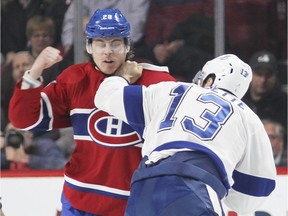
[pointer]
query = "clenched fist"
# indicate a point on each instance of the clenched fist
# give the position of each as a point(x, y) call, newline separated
point(48, 57)
point(130, 70)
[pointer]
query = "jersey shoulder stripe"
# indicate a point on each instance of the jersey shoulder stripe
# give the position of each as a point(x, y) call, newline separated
point(155, 68)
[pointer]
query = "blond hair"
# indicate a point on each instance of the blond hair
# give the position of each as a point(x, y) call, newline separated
point(38, 22)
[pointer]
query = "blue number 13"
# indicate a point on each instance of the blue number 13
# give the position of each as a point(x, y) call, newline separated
point(214, 119)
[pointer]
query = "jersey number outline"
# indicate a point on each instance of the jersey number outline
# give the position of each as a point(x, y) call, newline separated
point(214, 119)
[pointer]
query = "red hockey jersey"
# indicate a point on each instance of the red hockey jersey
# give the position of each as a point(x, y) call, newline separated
point(97, 177)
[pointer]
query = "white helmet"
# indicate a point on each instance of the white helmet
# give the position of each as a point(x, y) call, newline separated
point(231, 74)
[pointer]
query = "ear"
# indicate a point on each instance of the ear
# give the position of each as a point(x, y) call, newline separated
point(209, 82)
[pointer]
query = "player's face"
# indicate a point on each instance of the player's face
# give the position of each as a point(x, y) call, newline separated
point(108, 53)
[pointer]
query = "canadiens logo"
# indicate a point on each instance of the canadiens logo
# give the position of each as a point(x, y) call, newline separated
point(109, 131)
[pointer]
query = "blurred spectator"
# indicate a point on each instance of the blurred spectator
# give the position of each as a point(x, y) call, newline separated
point(40, 31)
point(55, 9)
point(255, 25)
point(4, 162)
point(265, 96)
point(14, 16)
point(179, 34)
point(21, 62)
point(164, 16)
point(135, 12)
point(276, 135)
point(21, 148)
point(66, 141)
point(16, 13)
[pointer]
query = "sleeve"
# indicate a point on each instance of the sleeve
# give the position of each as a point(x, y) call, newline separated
point(19, 104)
point(125, 102)
point(109, 96)
point(254, 176)
point(38, 109)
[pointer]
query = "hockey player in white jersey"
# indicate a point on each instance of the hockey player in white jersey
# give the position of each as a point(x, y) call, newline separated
point(203, 145)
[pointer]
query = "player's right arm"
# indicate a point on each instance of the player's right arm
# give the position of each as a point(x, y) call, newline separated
point(27, 108)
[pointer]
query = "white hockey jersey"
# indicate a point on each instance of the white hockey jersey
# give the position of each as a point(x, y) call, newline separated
point(207, 120)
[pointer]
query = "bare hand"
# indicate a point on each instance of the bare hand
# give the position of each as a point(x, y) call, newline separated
point(130, 70)
point(163, 51)
point(16, 155)
point(48, 57)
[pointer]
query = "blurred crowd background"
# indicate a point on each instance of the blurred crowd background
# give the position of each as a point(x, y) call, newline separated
point(180, 34)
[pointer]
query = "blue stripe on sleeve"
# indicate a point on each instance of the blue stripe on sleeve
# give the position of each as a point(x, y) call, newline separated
point(44, 124)
point(133, 105)
point(252, 185)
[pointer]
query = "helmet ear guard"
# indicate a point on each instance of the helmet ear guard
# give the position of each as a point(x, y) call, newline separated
point(89, 46)
point(198, 78)
point(231, 74)
point(127, 42)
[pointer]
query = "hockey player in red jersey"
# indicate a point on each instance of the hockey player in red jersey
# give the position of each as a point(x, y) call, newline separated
point(97, 177)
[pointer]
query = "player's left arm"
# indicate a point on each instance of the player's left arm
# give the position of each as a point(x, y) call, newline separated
point(116, 97)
